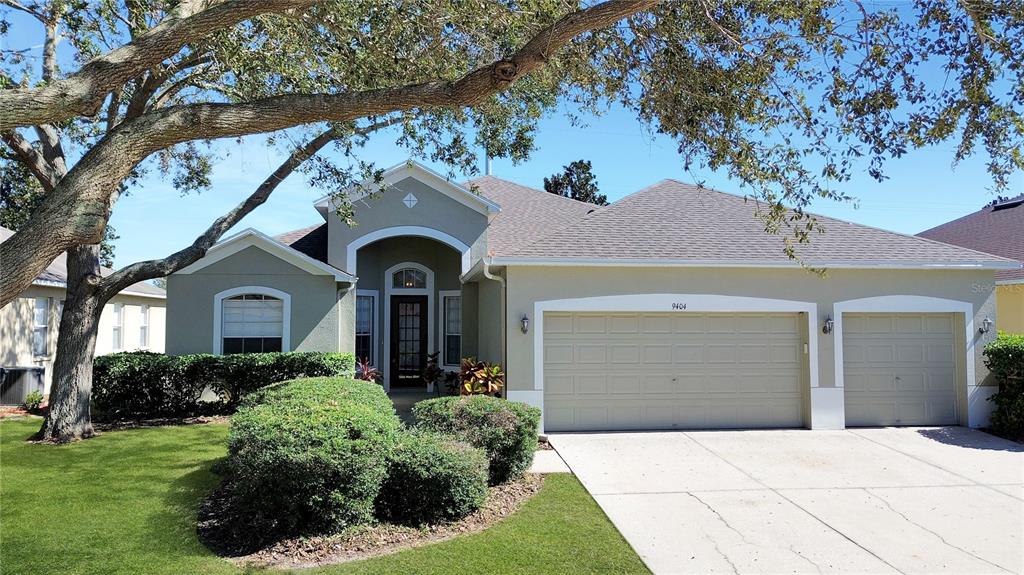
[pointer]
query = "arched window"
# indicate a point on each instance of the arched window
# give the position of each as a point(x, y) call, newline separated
point(409, 278)
point(252, 323)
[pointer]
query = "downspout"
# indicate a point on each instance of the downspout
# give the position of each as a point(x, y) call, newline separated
point(504, 336)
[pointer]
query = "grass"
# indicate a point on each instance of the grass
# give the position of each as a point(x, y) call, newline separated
point(125, 502)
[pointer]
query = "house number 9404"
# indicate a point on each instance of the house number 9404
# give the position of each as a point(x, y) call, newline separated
point(678, 305)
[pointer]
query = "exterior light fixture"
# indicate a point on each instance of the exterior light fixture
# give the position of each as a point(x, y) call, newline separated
point(828, 326)
point(986, 325)
point(524, 324)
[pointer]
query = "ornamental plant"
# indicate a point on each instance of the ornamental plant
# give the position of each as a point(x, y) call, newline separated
point(480, 378)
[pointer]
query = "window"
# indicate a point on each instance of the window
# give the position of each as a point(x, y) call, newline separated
point(409, 278)
point(41, 327)
point(452, 329)
point(118, 341)
point(365, 327)
point(252, 323)
point(144, 326)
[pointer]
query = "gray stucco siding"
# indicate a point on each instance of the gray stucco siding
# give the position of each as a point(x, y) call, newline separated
point(316, 312)
point(433, 210)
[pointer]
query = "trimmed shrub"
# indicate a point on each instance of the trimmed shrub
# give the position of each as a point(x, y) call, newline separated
point(1005, 360)
point(506, 430)
point(432, 478)
point(323, 389)
point(300, 464)
point(148, 385)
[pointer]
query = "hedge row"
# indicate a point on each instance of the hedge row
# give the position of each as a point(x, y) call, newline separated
point(1005, 360)
point(150, 385)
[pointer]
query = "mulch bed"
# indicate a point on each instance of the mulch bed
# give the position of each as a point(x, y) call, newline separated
point(371, 540)
point(158, 422)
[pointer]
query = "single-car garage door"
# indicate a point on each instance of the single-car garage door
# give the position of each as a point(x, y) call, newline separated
point(620, 371)
point(899, 368)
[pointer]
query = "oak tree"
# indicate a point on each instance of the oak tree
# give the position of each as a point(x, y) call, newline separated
point(789, 98)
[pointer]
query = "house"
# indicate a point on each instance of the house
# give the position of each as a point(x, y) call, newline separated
point(670, 308)
point(998, 229)
point(133, 319)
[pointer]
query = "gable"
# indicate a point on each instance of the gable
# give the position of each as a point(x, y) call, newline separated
point(406, 204)
point(251, 261)
point(269, 249)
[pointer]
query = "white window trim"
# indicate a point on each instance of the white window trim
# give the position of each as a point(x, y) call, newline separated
point(46, 327)
point(912, 304)
point(375, 323)
point(451, 241)
point(118, 327)
point(144, 323)
point(388, 292)
point(218, 301)
point(441, 325)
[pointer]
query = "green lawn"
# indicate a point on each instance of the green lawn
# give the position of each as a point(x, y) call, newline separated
point(125, 502)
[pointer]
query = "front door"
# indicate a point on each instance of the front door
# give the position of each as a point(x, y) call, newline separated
point(408, 339)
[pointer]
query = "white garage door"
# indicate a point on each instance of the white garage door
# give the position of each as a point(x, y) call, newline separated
point(619, 371)
point(899, 369)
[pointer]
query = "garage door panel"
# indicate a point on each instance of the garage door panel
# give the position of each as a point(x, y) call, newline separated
point(899, 369)
point(682, 371)
point(588, 354)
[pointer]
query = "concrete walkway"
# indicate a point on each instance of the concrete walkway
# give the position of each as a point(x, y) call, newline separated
point(927, 500)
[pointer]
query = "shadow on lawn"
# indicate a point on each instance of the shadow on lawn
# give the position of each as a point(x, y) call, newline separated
point(971, 439)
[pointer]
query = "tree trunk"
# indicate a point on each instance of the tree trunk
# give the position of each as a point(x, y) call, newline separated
point(69, 416)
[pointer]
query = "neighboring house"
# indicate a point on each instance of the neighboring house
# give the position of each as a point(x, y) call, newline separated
point(670, 308)
point(996, 229)
point(133, 319)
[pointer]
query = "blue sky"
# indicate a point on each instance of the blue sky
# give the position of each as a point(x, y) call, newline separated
point(923, 189)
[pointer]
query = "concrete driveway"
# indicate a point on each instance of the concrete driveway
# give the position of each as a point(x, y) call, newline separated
point(923, 500)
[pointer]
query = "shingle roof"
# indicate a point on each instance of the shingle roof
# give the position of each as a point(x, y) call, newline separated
point(526, 214)
point(995, 231)
point(56, 273)
point(674, 221)
point(311, 241)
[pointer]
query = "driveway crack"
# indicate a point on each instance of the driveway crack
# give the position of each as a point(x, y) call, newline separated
point(939, 536)
point(714, 540)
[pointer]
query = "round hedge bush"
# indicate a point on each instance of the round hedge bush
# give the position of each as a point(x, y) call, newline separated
point(506, 430)
point(432, 478)
point(299, 464)
point(323, 389)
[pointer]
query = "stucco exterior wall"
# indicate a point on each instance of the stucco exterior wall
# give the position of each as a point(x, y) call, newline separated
point(16, 323)
point(1010, 307)
point(489, 322)
point(528, 285)
point(432, 210)
point(316, 310)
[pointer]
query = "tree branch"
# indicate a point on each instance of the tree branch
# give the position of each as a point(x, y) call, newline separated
point(19, 6)
point(31, 158)
point(147, 270)
point(82, 93)
point(77, 211)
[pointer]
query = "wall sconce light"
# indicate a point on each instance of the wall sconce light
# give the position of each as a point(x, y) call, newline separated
point(986, 325)
point(828, 326)
point(524, 324)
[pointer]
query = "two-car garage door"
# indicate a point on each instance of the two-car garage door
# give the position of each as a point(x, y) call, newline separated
point(615, 371)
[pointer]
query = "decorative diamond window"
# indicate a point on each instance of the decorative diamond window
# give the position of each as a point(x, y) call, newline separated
point(409, 200)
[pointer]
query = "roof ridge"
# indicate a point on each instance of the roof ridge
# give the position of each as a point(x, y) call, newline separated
point(531, 188)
